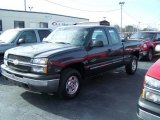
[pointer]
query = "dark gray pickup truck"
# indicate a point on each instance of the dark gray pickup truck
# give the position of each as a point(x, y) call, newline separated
point(67, 56)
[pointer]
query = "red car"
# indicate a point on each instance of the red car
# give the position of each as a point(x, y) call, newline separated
point(149, 101)
point(150, 40)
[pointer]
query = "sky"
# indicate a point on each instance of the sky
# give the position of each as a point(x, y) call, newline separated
point(139, 13)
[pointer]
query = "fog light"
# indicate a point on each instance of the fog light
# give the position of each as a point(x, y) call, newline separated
point(39, 69)
point(152, 97)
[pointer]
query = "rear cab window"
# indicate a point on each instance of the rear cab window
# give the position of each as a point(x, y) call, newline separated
point(43, 34)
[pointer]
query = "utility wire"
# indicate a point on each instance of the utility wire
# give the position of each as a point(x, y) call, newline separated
point(78, 8)
point(130, 16)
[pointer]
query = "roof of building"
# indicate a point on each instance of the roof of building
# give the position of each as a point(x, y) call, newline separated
point(41, 13)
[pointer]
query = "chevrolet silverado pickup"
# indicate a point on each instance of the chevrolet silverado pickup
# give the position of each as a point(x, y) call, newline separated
point(149, 101)
point(150, 39)
point(67, 56)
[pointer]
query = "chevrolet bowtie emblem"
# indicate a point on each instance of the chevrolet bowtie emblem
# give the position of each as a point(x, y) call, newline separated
point(16, 62)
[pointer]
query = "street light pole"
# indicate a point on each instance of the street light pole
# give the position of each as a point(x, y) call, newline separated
point(25, 5)
point(121, 4)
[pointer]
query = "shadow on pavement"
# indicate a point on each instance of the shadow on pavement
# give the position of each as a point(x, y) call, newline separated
point(112, 95)
point(3, 81)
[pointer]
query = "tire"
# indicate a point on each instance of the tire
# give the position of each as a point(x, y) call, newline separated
point(69, 84)
point(132, 66)
point(149, 56)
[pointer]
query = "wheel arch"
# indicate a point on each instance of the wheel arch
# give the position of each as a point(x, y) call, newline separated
point(77, 66)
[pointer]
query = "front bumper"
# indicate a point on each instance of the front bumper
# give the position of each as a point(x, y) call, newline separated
point(30, 81)
point(148, 110)
point(144, 53)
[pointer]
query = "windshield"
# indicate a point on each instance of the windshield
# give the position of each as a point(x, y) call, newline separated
point(68, 35)
point(142, 35)
point(8, 36)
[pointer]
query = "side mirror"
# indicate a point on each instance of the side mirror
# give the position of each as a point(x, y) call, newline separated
point(20, 41)
point(123, 40)
point(97, 44)
point(157, 48)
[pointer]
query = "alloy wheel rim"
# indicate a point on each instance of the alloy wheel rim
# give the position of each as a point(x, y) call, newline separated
point(72, 85)
point(134, 65)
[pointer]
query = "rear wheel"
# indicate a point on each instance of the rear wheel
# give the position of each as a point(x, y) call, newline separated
point(132, 66)
point(70, 83)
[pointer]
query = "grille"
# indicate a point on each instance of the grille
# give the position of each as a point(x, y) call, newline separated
point(22, 68)
point(19, 58)
point(1, 57)
point(19, 67)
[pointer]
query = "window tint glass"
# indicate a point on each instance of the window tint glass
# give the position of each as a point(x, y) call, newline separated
point(158, 37)
point(43, 33)
point(0, 25)
point(99, 35)
point(114, 36)
point(29, 36)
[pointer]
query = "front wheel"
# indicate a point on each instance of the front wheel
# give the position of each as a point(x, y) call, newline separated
point(149, 56)
point(132, 66)
point(70, 84)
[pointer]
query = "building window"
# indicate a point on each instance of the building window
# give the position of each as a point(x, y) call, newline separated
point(43, 25)
point(0, 25)
point(19, 24)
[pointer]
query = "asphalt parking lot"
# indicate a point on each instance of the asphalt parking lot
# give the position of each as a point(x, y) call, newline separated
point(110, 96)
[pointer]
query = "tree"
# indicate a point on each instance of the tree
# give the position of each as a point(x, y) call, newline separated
point(129, 28)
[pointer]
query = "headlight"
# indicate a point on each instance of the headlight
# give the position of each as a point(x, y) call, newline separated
point(39, 65)
point(152, 83)
point(152, 96)
point(42, 61)
point(145, 46)
point(151, 89)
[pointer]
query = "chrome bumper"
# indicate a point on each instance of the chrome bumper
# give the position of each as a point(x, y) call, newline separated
point(47, 85)
point(147, 116)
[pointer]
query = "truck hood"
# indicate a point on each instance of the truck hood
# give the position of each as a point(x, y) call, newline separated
point(143, 40)
point(5, 46)
point(154, 70)
point(41, 49)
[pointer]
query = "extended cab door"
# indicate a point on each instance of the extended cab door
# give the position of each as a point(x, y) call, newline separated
point(117, 49)
point(98, 58)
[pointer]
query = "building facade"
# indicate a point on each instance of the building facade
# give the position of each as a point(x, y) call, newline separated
point(28, 19)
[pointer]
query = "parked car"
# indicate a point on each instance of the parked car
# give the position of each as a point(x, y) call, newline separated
point(15, 37)
point(150, 40)
point(72, 54)
point(149, 101)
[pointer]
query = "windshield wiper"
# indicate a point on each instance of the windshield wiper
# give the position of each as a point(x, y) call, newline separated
point(47, 41)
point(62, 43)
